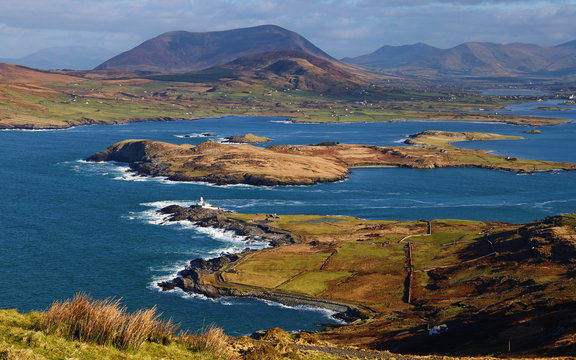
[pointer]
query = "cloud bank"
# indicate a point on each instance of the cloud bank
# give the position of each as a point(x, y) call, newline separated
point(340, 27)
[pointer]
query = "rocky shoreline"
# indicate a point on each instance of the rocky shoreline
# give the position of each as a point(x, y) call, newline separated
point(277, 165)
point(190, 278)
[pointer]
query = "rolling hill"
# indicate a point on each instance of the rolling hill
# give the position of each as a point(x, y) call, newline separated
point(17, 74)
point(292, 69)
point(473, 59)
point(182, 51)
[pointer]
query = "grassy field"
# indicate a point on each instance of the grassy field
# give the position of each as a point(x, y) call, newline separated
point(343, 258)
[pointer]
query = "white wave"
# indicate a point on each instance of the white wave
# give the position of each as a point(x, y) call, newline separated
point(400, 141)
point(244, 203)
point(163, 203)
point(224, 141)
point(180, 293)
point(120, 171)
point(164, 180)
point(234, 243)
point(282, 121)
point(326, 312)
point(545, 205)
point(114, 169)
point(239, 243)
point(131, 177)
point(196, 135)
point(152, 216)
point(40, 130)
point(219, 234)
point(167, 272)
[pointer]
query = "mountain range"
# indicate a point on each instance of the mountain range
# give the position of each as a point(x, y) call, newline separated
point(64, 57)
point(473, 59)
point(270, 50)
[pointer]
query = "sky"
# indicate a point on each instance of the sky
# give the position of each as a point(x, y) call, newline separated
point(339, 27)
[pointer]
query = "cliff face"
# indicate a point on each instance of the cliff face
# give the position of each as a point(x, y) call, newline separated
point(126, 151)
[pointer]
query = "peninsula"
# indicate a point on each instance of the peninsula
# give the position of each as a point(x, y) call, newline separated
point(427, 286)
point(307, 165)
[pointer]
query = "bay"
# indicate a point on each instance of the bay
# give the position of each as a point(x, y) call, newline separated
point(69, 226)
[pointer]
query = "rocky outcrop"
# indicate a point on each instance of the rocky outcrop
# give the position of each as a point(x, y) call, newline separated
point(216, 218)
point(246, 139)
point(191, 278)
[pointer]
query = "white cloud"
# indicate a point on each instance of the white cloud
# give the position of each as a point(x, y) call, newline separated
point(341, 27)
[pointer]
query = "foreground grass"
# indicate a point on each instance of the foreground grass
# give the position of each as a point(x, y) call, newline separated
point(22, 337)
point(106, 322)
point(82, 328)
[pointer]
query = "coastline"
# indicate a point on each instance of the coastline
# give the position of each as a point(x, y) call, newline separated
point(283, 165)
point(528, 120)
point(190, 278)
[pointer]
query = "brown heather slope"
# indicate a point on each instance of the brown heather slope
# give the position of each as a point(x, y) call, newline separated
point(502, 289)
point(301, 70)
point(285, 69)
point(223, 164)
point(17, 74)
point(307, 165)
point(499, 289)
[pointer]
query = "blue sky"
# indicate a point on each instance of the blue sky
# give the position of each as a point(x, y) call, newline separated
point(340, 27)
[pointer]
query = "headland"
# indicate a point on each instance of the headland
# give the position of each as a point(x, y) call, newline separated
point(426, 286)
point(307, 165)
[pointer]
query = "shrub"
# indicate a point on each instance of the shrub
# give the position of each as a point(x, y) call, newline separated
point(106, 322)
point(211, 339)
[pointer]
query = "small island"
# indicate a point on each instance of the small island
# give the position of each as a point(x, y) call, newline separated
point(246, 139)
point(307, 165)
point(400, 284)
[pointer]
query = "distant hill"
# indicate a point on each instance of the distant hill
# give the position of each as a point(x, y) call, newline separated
point(69, 57)
point(182, 51)
point(473, 59)
point(283, 68)
point(394, 56)
point(21, 75)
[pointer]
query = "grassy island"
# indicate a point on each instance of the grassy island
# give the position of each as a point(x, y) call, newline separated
point(247, 139)
point(306, 165)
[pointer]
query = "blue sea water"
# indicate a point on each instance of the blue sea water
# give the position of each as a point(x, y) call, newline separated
point(69, 226)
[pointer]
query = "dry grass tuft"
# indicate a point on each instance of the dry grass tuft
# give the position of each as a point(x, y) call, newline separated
point(106, 322)
point(211, 339)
